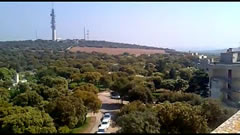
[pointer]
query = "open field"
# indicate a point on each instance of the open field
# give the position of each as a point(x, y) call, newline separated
point(116, 51)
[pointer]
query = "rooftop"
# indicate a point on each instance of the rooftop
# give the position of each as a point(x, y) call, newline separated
point(232, 125)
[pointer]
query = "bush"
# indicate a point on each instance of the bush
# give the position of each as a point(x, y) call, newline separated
point(215, 113)
point(87, 87)
point(172, 97)
point(63, 129)
point(132, 107)
point(140, 93)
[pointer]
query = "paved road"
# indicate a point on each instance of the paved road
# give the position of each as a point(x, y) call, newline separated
point(108, 105)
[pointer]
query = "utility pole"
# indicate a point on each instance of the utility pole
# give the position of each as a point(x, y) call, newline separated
point(87, 34)
point(84, 35)
point(36, 35)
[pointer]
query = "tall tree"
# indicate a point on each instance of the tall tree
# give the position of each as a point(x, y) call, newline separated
point(106, 81)
point(199, 83)
point(139, 122)
point(181, 84)
point(67, 110)
point(4, 94)
point(157, 81)
point(25, 120)
point(120, 86)
point(6, 74)
point(139, 92)
point(181, 118)
point(172, 73)
point(185, 73)
point(160, 65)
point(92, 77)
point(90, 100)
point(87, 87)
point(28, 98)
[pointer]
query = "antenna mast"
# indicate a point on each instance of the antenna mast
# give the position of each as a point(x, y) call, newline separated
point(53, 24)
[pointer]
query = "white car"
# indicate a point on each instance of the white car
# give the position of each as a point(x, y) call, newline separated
point(106, 117)
point(107, 113)
point(101, 130)
point(105, 124)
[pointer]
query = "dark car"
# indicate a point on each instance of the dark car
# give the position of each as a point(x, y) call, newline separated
point(115, 95)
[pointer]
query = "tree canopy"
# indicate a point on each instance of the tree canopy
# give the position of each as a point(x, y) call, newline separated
point(15, 119)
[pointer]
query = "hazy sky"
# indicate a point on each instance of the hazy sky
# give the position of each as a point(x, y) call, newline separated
point(177, 25)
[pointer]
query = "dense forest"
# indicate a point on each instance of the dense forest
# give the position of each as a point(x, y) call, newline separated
point(167, 93)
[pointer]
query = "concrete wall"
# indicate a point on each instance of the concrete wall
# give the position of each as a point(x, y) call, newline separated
point(228, 58)
point(203, 64)
point(235, 96)
point(236, 78)
point(217, 85)
point(218, 75)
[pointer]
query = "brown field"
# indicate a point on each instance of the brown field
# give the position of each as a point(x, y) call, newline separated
point(116, 51)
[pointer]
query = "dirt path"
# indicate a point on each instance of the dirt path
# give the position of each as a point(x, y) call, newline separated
point(108, 105)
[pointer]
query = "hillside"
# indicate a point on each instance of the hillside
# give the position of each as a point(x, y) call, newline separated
point(64, 44)
point(117, 51)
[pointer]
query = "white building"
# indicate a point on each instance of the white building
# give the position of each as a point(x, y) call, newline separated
point(17, 80)
point(203, 61)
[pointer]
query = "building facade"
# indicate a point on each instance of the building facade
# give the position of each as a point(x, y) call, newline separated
point(224, 78)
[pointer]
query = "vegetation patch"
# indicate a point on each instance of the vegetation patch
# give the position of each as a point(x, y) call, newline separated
point(86, 127)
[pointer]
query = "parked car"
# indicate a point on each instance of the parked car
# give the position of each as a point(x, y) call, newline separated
point(105, 124)
point(101, 130)
point(106, 117)
point(115, 95)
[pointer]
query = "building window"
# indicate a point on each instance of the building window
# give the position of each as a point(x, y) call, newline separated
point(229, 86)
point(228, 97)
point(229, 74)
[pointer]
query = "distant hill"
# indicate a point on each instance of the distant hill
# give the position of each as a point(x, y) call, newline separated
point(213, 52)
point(64, 44)
point(107, 44)
point(217, 52)
point(116, 51)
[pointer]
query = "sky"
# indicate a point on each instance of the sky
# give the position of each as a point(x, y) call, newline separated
point(177, 25)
